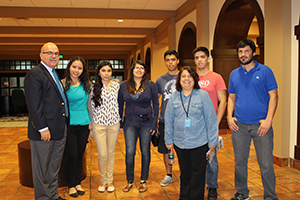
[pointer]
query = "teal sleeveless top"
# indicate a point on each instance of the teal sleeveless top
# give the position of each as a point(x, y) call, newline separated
point(78, 106)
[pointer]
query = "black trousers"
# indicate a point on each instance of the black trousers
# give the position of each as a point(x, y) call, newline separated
point(192, 164)
point(75, 147)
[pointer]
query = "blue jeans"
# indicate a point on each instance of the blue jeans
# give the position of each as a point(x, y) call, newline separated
point(132, 133)
point(241, 141)
point(212, 172)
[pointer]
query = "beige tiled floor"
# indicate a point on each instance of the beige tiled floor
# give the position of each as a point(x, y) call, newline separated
point(288, 179)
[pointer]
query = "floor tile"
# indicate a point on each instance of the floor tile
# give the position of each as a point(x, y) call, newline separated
point(288, 179)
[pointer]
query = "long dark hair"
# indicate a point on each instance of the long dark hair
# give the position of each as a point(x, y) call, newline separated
point(83, 78)
point(130, 81)
point(98, 83)
point(192, 72)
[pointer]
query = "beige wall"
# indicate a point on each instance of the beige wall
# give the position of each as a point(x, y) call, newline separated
point(277, 57)
point(158, 64)
point(294, 75)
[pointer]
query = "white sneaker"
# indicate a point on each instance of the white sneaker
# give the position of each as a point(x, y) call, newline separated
point(110, 187)
point(102, 188)
point(167, 180)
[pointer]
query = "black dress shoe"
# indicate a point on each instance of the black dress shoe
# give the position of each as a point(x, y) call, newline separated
point(74, 195)
point(212, 194)
point(80, 192)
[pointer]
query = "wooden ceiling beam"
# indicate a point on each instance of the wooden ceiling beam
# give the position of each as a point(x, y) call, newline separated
point(67, 47)
point(66, 40)
point(84, 13)
point(4, 53)
point(75, 30)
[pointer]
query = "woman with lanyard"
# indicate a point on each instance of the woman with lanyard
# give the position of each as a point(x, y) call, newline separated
point(191, 128)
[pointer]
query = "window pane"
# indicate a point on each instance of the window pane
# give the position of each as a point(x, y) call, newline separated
point(66, 62)
point(13, 82)
point(22, 81)
point(120, 78)
point(6, 65)
point(5, 91)
point(12, 65)
point(4, 82)
point(1, 65)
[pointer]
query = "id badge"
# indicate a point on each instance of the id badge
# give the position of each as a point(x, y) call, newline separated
point(188, 123)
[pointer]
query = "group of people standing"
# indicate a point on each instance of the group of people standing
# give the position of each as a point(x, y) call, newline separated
point(64, 114)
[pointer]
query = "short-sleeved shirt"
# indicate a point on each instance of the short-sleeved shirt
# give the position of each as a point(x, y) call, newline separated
point(251, 90)
point(166, 87)
point(212, 83)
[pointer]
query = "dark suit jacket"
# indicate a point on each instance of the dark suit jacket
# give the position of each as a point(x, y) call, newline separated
point(45, 105)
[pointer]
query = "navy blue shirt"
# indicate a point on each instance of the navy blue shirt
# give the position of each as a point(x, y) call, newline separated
point(145, 104)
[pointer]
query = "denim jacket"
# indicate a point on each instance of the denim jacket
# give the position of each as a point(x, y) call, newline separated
point(203, 121)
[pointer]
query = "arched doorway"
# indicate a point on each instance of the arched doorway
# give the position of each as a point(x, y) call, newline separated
point(148, 63)
point(233, 25)
point(187, 43)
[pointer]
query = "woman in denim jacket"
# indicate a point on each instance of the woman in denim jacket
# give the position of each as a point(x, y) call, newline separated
point(191, 128)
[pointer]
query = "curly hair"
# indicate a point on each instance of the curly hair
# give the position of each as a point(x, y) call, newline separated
point(98, 83)
point(130, 82)
point(83, 78)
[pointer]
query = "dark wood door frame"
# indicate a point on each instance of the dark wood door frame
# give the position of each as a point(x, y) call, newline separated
point(233, 25)
point(297, 146)
point(148, 62)
point(187, 43)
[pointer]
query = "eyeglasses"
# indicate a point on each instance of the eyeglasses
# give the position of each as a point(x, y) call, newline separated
point(172, 59)
point(50, 53)
point(139, 68)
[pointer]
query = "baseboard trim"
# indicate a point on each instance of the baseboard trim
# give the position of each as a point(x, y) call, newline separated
point(286, 162)
point(295, 164)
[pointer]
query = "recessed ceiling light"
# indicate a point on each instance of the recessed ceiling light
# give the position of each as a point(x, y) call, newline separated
point(120, 20)
point(22, 19)
point(60, 20)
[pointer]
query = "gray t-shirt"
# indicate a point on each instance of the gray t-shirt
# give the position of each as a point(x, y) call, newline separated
point(165, 86)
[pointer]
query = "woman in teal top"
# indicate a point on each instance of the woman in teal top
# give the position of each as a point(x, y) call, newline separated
point(77, 86)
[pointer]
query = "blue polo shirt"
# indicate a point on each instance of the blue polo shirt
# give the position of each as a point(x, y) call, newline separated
point(251, 89)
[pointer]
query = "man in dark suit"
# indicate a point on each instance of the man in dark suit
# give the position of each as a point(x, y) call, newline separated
point(48, 122)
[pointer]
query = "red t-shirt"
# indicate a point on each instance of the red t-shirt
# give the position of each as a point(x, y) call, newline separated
point(212, 83)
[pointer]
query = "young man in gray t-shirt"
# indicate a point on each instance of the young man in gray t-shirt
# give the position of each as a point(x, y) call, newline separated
point(165, 87)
